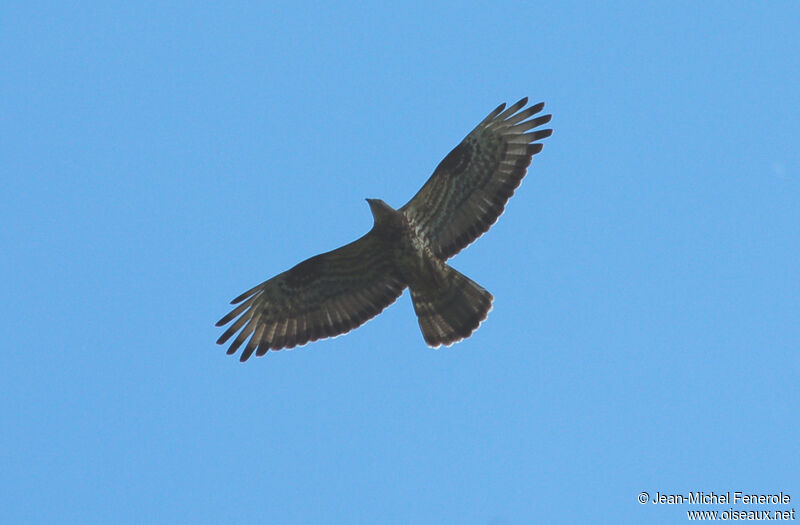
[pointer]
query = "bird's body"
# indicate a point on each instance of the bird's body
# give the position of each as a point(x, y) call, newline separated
point(410, 253)
point(334, 292)
point(431, 280)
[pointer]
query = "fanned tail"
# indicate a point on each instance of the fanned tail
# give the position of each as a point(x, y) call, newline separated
point(452, 309)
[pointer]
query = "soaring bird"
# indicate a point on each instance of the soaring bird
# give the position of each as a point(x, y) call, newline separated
point(334, 292)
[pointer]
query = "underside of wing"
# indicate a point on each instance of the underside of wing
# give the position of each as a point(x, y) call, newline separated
point(469, 189)
point(324, 296)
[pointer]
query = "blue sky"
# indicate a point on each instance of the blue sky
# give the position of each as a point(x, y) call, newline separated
point(160, 159)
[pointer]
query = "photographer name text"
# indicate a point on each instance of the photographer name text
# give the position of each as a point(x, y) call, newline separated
point(721, 498)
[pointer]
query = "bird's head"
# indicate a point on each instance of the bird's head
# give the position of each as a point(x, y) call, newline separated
point(379, 208)
point(381, 212)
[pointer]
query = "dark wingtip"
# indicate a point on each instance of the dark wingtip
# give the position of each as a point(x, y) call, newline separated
point(539, 134)
point(262, 349)
point(235, 346)
point(517, 105)
point(248, 293)
point(499, 109)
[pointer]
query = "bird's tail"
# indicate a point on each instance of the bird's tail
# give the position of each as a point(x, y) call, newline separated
point(451, 309)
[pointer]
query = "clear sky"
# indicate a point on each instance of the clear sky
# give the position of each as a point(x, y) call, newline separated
point(159, 159)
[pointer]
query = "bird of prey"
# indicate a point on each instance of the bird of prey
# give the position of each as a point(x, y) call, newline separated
point(334, 292)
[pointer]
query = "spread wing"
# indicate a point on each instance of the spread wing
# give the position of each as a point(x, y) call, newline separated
point(469, 189)
point(323, 296)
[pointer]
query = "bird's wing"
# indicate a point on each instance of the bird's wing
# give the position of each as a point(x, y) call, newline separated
point(469, 189)
point(323, 296)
